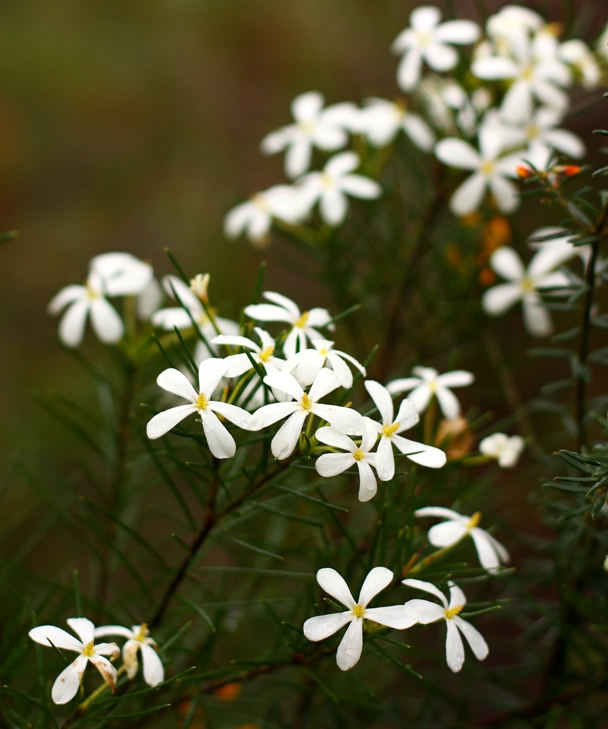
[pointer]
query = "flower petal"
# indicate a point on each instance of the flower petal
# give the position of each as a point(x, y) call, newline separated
point(154, 672)
point(233, 413)
point(67, 683)
point(349, 650)
point(407, 415)
point(333, 583)
point(66, 296)
point(376, 580)
point(428, 612)
point(83, 628)
point(284, 442)
point(331, 464)
point(345, 419)
point(107, 670)
point(425, 455)
point(385, 459)
point(104, 630)
point(270, 414)
point(447, 533)
point(448, 402)
point(71, 326)
point(456, 378)
point(325, 382)
point(168, 419)
point(177, 383)
point(468, 197)
point(50, 636)
point(499, 299)
point(485, 550)
point(420, 396)
point(427, 587)
point(457, 153)
point(336, 438)
point(322, 626)
point(210, 372)
point(220, 442)
point(382, 400)
point(286, 383)
point(474, 638)
point(367, 481)
point(536, 318)
point(269, 312)
point(399, 617)
point(507, 263)
point(454, 649)
point(441, 512)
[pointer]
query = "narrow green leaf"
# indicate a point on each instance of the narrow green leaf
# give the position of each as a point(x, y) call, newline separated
point(252, 547)
point(597, 505)
point(259, 283)
point(286, 514)
point(32, 701)
point(9, 235)
point(302, 495)
point(198, 610)
point(177, 267)
point(404, 666)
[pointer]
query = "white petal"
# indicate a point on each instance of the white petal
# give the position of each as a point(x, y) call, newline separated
point(331, 464)
point(68, 681)
point(210, 372)
point(322, 626)
point(516, 107)
point(456, 378)
point(496, 300)
point(172, 317)
point(425, 17)
point(425, 455)
point(468, 197)
point(333, 207)
point(234, 414)
point(284, 442)
point(71, 326)
point(168, 419)
point(458, 31)
point(286, 383)
point(382, 400)
point(441, 512)
point(83, 628)
point(399, 617)
point(457, 153)
point(428, 612)
point(49, 635)
point(447, 533)
point(361, 187)
point(370, 434)
point(344, 419)
point(491, 68)
point(507, 263)
point(107, 670)
point(407, 415)
point(176, 382)
point(385, 460)
point(376, 580)
point(349, 650)
point(503, 555)
point(408, 72)
point(440, 57)
point(237, 364)
point(298, 157)
point(343, 163)
point(402, 385)
point(123, 274)
point(268, 312)
point(448, 402)
point(325, 382)
point(454, 649)
point(566, 142)
point(474, 638)
point(336, 438)
point(333, 583)
point(154, 672)
point(367, 481)
point(419, 132)
point(104, 630)
point(485, 550)
point(457, 596)
point(270, 414)
point(419, 397)
point(505, 193)
point(66, 296)
point(536, 318)
point(427, 587)
point(306, 107)
point(219, 440)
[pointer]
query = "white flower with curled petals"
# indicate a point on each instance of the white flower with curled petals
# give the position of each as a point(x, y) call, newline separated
point(491, 553)
point(524, 284)
point(138, 639)
point(306, 365)
point(320, 627)
point(304, 324)
point(427, 40)
point(430, 612)
point(389, 430)
point(429, 382)
point(210, 372)
point(490, 169)
point(122, 273)
point(576, 53)
point(67, 683)
point(302, 405)
point(506, 449)
point(380, 121)
point(332, 186)
point(331, 464)
point(261, 353)
point(512, 27)
point(314, 127)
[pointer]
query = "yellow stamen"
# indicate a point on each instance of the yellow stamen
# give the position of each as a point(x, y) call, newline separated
point(142, 634)
point(486, 167)
point(323, 351)
point(390, 430)
point(358, 455)
point(453, 612)
point(527, 286)
point(91, 293)
point(267, 353)
point(306, 402)
point(301, 322)
point(475, 519)
point(358, 611)
point(201, 402)
point(89, 649)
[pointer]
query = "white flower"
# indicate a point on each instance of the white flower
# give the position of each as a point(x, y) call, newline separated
point(285, 310)
point(283, 202)
point(237, 364)
point(331, 464)
point(524, 284)
point(286, 438)
point(491, 553)
point(137, 639)
point(601, 45)
point(429, 382)
point(535, 71)
point(389, 430)
point(543, 138)
point(210, 372)
point(512, 26)
point(331, 187)
point(320, 627)
point(314, 127)
point(149, 300)
point(490, 170)
point(506, 449)
point(122, 274)
point(380, 121)
point(577, 54)
point(68, 681)
point(306, 365)
point(430, 612)
point(427, 40)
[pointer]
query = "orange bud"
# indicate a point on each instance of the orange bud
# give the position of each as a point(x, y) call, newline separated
point(524, 172)
point(487, 277)
point(567, 170)
point(229, 692)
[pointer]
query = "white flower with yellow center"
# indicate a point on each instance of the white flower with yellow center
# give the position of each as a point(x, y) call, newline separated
point(320, 627)
point(67, 683)
point(491, 553)
point(506, 449)
point(303, 404)
point(430, 612)
point(428, 383)
point(210, 372)
point(237, 364)
point(331, 464)
point(314, 127)
point(380, 121)
point(138, 639)
point(427, 40)
point(304, 324)
point(577, 54)
point(332, 186)
point(306, 365)
point(525, 284)
point(389, 430)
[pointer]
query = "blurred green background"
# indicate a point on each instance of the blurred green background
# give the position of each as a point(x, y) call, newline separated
point(135, 125)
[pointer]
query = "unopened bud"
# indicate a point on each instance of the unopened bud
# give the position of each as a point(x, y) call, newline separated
point(567, 170)
point(524, 172)
point(198, 286)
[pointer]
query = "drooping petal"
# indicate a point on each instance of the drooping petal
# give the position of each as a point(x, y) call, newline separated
point(426, 587)
point(333, 207)
point(474, 638)
point(505, 193)
point(408, 71)
point(83, 628)
point(71, 326)
point(154, 672)
point(177, 383)
point(441, 511)
point(322, 626)
point(107, 670)
point(446, 533)
point(385, 460)
point(284, 442)
point(425, 455)
point(382, 400)
point(399, 617)
point(485, 550)
point(298, 157)
point(500, 550)
point(419, 132)
point(129, 657)
point(104, 630)
point(49, 636)
point(448, 402)
point(333, 583)
point(376, 580)
point(427, 612)
point(233, 413)
point(331, 464)
point(499, 299)
point(349, 650)
point(220, 442)
point(469, 196)
point(210, 372)
point(163, 422)
point(536, 318)
point(67, 683)
point(454, 649)
point(66, 296)
point(370, 435)
point(367, 481)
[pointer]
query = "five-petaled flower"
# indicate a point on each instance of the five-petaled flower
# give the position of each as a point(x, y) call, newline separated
point(430, 612)
point(67, 683)
point(210, 372)
point(320, 627)
point(506, 449)
point(491, 553)
point(305, 366)
point(137, 640)
point(429, 382)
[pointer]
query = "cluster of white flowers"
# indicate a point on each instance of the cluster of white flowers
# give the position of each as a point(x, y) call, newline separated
point(67, 683)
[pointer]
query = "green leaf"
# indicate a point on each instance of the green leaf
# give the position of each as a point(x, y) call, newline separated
point(259, 284)
point(32, 701)
point(252, 547)
point(597, 505)
point(9, 235)
point(198, 610)
point(403, 666)
point(302, 495)
point(286, 514)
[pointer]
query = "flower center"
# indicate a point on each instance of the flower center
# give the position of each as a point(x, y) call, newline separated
point(143, 632)
point(527, 285)
point(453, 612)
point(301, 322)
point(89, 649)
point(390, 430)
point(487, 167)
point(323, 351)
point(423, 38)
point(474, 520)
point(358, 455)
point(358, 611)
point(327, 181)
point(533, 131)
point(526, 74)
point(91, 293)
point(260, 203)
point(201, 402)
point(267, 353)
point(306, 402)
point(306, 127)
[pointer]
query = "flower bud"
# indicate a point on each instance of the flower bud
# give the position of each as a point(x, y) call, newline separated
point(198, 286)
